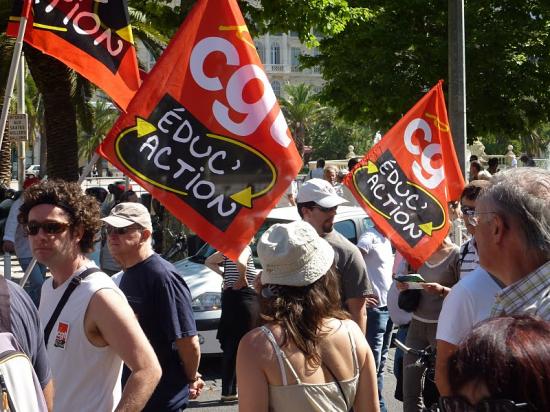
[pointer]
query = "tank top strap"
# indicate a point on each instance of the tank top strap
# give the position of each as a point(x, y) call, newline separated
point(280, 357)
point(353, 349)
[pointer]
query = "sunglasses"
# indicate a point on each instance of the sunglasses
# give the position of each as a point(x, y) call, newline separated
point(50, 228)
point(459, 404)
point(111, 230)
point(325, 209)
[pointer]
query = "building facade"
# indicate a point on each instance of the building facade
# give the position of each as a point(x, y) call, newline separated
point(280, 54)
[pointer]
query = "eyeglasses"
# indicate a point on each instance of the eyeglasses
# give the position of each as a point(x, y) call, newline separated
point(459, 404)
point(50, 228)
point(326, 209)
point(468, 210)
point(473, 218)
point(111, 230)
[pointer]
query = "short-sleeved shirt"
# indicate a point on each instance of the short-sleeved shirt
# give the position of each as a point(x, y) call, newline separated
point(351, 267)
point(469, 260)
point(529, 295)
point(446, 273)
point(378, 257)
point(161, 301)
point(27, 329)
point(468, 303)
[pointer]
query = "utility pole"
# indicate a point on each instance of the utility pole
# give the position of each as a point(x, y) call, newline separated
point(457, 79)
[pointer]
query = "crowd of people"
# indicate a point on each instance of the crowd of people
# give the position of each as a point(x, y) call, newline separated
point(312, 330)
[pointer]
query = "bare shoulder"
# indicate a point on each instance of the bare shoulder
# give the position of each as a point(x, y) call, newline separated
point(255, 342)
point(107, 299)
point(357, 335)
point(108, 313)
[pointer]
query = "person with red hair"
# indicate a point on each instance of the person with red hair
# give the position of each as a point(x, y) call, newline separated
point(503, 365)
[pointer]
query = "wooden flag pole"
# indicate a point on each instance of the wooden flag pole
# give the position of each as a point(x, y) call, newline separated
point(15, 59)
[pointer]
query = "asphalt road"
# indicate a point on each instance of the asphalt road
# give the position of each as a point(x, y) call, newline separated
point(210, 398)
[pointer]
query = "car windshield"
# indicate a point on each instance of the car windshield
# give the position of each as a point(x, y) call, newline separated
point(207, 250)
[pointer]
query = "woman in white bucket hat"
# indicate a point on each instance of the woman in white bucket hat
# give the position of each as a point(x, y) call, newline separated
point(308, 355)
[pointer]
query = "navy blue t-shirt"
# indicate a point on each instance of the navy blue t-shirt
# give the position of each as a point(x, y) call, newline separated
point(161, 301)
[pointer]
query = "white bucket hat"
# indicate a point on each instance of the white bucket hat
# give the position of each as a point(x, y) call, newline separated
point(319, 191)
point(293, 254)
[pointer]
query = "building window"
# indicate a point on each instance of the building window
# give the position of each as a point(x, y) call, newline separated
point(275, 53)
point(261, 51)
point(276, 86)
point(295, 53)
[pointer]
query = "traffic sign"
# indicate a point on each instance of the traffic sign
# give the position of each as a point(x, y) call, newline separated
point(17, 126)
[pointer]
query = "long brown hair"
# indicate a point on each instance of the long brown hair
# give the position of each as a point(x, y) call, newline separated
point(300, 312)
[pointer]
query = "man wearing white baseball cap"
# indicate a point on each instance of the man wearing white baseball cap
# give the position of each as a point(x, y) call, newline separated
point(317, 202)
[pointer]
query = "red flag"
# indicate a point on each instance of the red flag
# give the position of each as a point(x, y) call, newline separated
point(92, 37)
point(204, 134)
point(406, 180)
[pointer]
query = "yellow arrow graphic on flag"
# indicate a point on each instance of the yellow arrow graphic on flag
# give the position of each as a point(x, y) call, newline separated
point(371, 167)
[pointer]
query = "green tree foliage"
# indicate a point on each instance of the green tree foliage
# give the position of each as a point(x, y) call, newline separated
point(377, 69)
point(331, 136)
point(104, 115)
point(306, 18)
point(301, 108)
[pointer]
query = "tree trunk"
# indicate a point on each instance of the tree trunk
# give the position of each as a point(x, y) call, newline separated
point(53, 80)
point(6, 50)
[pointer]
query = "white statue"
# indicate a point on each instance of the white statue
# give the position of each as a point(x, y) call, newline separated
point(478, 149)
point(510, 157)
point(351, 153)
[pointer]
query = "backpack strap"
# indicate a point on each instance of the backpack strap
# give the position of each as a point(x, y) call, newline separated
point(5, 313)
point(75, 281)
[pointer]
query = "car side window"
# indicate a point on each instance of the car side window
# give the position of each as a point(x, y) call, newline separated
point(367, 223)
point(347, 229)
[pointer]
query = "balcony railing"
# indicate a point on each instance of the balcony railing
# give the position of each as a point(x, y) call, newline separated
point(287, 68)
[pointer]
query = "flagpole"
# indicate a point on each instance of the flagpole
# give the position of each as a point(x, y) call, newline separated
point(15, 59)
point(85, 172)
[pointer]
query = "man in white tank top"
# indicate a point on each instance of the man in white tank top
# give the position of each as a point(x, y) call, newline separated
point(96, 329)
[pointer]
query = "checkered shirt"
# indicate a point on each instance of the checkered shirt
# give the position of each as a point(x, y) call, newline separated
point(529, 295)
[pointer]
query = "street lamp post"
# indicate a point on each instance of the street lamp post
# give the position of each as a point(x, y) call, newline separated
point(457, 79)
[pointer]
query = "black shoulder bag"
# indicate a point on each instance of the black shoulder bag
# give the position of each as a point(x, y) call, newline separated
point(75, 281)
point(409, 299)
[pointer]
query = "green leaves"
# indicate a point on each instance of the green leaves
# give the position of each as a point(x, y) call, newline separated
point(377, 69)
point(309, 19)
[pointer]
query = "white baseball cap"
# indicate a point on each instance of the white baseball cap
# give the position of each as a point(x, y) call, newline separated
point(319, 191)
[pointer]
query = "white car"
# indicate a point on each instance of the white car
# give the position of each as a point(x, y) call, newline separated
point(206, 285)
point(33, 170)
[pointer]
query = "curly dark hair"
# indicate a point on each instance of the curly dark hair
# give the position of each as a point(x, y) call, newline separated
point(300, 312)
point(81, 208)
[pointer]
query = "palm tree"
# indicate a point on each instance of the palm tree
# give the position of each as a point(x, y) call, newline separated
point(104, 115)
point(301, 108)
point(66, 95)
point(6, 48)
point(56, 83)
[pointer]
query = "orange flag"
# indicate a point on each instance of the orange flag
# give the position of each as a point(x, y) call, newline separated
point(92, 37)
point(204, 134)
point(406, 180)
